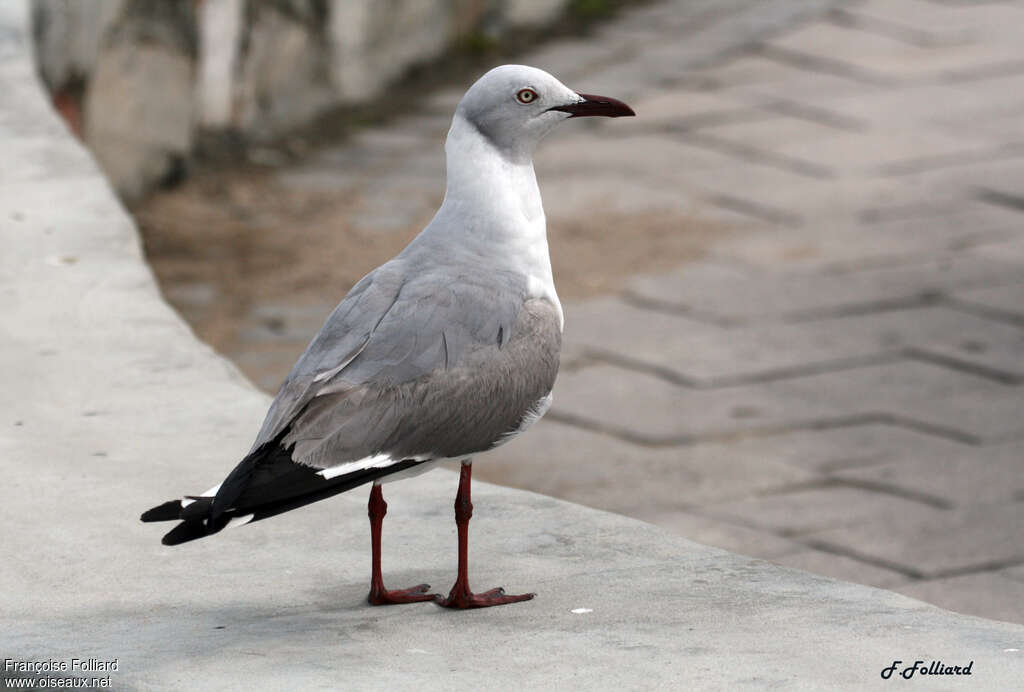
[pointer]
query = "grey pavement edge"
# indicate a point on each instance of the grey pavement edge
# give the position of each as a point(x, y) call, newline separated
point(108, 401)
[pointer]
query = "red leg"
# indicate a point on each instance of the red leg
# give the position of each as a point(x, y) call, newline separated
point(460, 595)
point(377, 508)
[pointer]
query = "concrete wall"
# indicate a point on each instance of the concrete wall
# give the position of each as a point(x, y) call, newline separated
point(138, 79)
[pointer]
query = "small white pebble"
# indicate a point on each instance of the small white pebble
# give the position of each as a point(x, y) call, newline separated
point(580, 611)
point(417, 651)
point(1006, 651)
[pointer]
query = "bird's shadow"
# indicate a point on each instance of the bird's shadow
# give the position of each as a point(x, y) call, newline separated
point(150, 637)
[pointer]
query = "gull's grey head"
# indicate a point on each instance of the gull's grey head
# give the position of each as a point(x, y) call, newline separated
point(514, 106)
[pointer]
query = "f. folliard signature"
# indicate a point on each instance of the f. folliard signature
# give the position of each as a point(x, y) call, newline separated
point(919, 668)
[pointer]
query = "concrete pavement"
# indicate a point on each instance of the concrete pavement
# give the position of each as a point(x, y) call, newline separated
point(110, 404)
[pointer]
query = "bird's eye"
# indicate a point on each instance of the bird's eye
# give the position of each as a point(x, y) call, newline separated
point(526, 96)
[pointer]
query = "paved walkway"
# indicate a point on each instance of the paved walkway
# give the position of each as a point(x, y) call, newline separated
point(836, 385)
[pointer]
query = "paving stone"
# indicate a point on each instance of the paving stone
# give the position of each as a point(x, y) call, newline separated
point(997, 123)
point(986, 594)
point(991, 416)
point(755, 75)
point(841, 567)
point(996, 350)
point(574, 59)
point(959, 216)
point(1007, 299)
point(813, 510)
point(712, 211)
point(851, 242)
point(662, 17)
point(854, 446)
point(922, 391)
point(764, 294)
point(890, 58)
point(836, 201)
point(695, 351)
point(1012, 250)
point(951, 336)
point(868, 52)
point(721, 534)
point(717, 29)
point(969, 109)
point(912, 105)
point(649, 408)
point(901, 25)
point(710, 355)
point(613, 195)
point(762, 187)
point(642, 157)
point(841, 150)
point(677, 107)
point(961, 475)
point(1002, 171)
point(604, 189)
point(780, 247)
point(627, 78)
point(960, 20)
point(933, 542)
point(1016, 572)
point(610, 474)
point(953, 403)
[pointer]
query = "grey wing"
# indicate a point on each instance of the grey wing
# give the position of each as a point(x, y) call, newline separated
point(344, 334)
point(451, 365)
point(409, 367)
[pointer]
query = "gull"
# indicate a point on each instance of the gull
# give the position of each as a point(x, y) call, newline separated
point(444, 352)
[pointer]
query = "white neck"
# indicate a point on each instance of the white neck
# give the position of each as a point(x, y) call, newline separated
point(493, 205)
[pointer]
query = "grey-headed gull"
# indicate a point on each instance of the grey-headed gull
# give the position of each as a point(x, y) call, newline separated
point(444, 352)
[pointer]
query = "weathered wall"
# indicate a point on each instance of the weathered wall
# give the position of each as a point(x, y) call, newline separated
point(138, 79)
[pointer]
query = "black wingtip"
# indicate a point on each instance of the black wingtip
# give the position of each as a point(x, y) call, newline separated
point(168, 511)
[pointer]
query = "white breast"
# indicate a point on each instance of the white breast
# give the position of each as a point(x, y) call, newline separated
point(535, 413)
point(541, 288)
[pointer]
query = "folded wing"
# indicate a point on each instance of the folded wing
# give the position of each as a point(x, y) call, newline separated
point(408, 368)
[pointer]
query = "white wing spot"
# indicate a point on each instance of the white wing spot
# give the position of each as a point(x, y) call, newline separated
point(238, 521)
point(372, 462)
point(186, 501)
